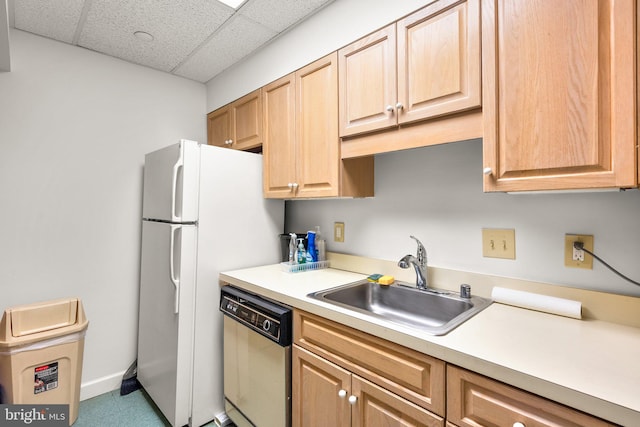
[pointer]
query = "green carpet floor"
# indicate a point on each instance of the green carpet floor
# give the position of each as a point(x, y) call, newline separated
point(112, 410)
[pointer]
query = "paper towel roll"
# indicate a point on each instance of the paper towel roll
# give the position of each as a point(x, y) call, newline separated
point(544, 303)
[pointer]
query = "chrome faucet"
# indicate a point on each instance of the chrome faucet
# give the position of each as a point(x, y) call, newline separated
point(419, 262)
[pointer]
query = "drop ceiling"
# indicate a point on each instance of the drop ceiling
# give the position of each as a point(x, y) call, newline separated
point(196, 39)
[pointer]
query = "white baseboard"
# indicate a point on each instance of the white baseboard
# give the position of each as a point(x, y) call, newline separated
point(100, 386)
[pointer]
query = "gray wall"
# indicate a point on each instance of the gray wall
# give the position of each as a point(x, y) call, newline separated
point(74, 128)
point(435, 193)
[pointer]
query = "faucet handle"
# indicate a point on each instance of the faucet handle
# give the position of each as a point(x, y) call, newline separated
point(421, 254)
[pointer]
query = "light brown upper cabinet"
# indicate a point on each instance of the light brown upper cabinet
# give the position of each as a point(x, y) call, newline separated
point(301, 145)
point(368, 92)
point(559, 91)
point(279, 148)
point(237, 125)
point(219, 126)
point(424, 66)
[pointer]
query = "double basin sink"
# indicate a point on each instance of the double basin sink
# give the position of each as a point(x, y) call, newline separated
point(432, 312)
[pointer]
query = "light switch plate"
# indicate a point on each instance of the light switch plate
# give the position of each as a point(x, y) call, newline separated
point(499, 243)
point(338, 231)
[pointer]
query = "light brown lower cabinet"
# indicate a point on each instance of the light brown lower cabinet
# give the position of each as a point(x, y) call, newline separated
point(474, 400)
point(344, 377)
point(325, 394)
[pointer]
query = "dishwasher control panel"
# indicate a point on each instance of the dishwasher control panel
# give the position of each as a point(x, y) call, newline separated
point(263, 316)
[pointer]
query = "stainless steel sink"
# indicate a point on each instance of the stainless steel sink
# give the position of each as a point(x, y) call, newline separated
point(433, 312)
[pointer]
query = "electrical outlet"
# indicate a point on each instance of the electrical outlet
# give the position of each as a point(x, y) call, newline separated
point(578, 254)
point(576, 258)
point(499, 243)
point(338, 231)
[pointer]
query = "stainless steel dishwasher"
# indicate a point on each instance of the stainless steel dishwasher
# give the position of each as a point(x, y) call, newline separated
point(257, 359)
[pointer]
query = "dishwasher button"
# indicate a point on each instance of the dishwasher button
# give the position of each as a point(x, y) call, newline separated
point(266, 325)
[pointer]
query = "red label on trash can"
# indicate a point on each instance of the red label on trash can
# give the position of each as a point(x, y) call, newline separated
point(46, 378)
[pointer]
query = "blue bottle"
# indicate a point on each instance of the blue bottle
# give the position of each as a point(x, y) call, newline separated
point(312, 252)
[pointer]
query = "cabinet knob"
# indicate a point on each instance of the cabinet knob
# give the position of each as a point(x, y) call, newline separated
point(487, 171)
point(290, 185)
point(353, 400)
point(399, 106)
point(518, 424)
point(342, 394)
point(389, 108)
point(295, 185)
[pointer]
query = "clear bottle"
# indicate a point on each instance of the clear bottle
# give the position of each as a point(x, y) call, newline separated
point(320, 246)
point(292, 248)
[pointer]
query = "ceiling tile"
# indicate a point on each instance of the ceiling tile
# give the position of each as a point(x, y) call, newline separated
point(280, 14)
point(235, 40)
point(56, 19)
point(178, 28)
point(196, 39)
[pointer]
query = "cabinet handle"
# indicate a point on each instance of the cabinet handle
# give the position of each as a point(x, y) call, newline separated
point(487, 171)
point(353, 400)
point(295, 185)
point(290, 185)
point(231, 142)
point(342, 394)
point(399, 106)
point(518, 424)
point(389, 108)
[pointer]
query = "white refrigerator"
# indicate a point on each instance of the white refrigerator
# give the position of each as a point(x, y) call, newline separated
point(203, 213)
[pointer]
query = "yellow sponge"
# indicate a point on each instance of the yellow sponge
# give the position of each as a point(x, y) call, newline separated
point(386, 280)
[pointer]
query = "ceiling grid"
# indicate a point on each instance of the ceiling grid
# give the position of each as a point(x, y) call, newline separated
point(196, 39)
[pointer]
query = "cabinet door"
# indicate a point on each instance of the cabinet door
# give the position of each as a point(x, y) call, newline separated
point(278, 150)
point(439, 60)
point(318, 149)
point(219, 127)
point(247, 121)
point(559, 94)
point(367, 86)
point(315, 392)
point(376, 406)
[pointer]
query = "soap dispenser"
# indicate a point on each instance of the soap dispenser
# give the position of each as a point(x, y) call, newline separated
point(301, 254)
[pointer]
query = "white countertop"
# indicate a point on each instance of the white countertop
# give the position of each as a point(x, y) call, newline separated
point(590, 365)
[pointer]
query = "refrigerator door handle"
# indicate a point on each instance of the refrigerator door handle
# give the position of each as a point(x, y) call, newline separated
point(177, 169)
point(175, 279)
